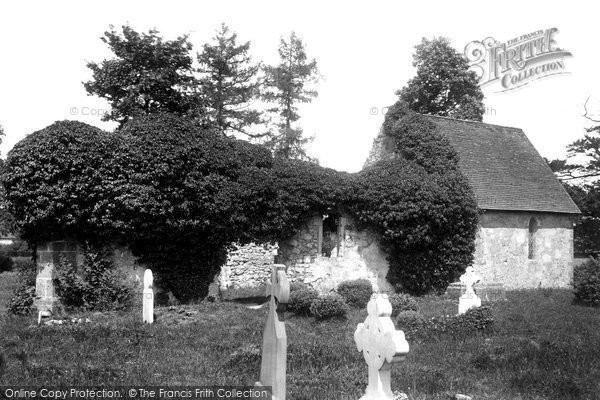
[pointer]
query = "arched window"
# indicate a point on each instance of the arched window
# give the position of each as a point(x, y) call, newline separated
point(533, 228)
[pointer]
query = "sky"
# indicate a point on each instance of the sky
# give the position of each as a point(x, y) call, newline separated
point(363, 50)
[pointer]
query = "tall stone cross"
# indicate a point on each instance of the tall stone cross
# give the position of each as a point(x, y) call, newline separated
point(148, 299)
point(469, 299)
point(274, 352)
point(382, 345)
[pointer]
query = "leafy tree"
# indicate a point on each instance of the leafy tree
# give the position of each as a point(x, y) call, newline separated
point(147, 75)
point(443, 85)
point(287, 84)
point(229, 84)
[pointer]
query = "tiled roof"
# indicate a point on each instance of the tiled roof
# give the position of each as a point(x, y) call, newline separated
point(505, 171)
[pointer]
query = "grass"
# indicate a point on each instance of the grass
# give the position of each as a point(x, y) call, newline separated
point(542, 347)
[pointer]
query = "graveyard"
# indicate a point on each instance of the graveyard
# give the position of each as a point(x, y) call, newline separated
point(197, 222)
point(541, 346)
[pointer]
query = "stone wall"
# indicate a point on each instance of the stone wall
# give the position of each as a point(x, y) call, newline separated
point(245, 273)
point(358, 257)
point(502, 249)
point(49, 254)
point(305, 246)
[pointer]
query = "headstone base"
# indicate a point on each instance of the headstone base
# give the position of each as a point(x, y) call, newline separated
point(488, 292)
point(466, 302)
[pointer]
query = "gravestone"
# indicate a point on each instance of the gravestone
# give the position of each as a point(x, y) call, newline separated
point(148, 299)
point(274, 351)
point(382, 345)
point(469, 299)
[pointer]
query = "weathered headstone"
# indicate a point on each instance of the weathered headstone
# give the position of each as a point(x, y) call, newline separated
point(469, 299)
point(274, 352)
point(382, 345)
point(148, 300)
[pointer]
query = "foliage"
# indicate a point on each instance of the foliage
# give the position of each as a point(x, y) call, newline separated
point(420, 205)
point(328, 307)
point(301, 300)
point(476, 319)
point(402, 302)
point(586, 282)
point(411, 323)
point(98, 286)
point(147, 75)
point(24, 294)
point(6, 263)
point(286, 85)
point(60, 182)
point(18, 248)
point(443, 85)
point(229, 84)
point(357, 293)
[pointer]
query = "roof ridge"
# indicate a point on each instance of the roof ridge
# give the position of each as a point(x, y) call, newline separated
point(470, 121)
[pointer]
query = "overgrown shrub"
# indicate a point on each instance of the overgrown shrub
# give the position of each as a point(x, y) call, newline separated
point(328, 307)
point(97, 286)
point(24, 295)
point(420, 204)
point(586, 282)
point(298, 285)
point(476, 319)
point(411, 322)
point(6, 263)
point(402, 302)
point(301, 300)
point(357, 293)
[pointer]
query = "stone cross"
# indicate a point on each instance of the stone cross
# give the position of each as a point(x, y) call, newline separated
point(469, 299)
point(382, 345)
point(148, 299)
point(274, 352)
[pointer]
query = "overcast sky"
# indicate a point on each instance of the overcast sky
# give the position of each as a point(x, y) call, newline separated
point(363, 50)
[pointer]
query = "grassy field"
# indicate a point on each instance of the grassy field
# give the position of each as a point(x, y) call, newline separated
point(542, 347)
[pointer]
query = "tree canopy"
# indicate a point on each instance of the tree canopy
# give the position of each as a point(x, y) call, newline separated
point(229, 84)
point(443, 84)
point(147, 75)
point(286, 85)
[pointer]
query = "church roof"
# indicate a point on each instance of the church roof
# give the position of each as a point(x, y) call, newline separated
point(504, 169)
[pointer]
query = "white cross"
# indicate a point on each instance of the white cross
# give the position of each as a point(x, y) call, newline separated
point(381, 345)
point(470, 278)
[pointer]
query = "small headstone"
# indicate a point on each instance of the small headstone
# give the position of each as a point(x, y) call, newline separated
point(43, 315)
point(274, 351)
point(148, 300)
point(382, 345)
point(469, 299)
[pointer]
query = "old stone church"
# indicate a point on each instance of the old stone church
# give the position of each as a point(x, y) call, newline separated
point(525, 237)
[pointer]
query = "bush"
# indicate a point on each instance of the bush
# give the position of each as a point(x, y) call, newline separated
point(474, 320)
point(402, 302)
point(6, 263)
point(298, 285)
point(24, 295)
point(357, 293)
point(420, 204)
point(329, 306)
point(411, 322)
point(301, 300)
point(98, 286)
point(586, 282)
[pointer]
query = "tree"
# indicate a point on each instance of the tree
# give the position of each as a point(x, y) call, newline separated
point(229, 84)
point(286, 86)
point(147, 75)
point(443, 85)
